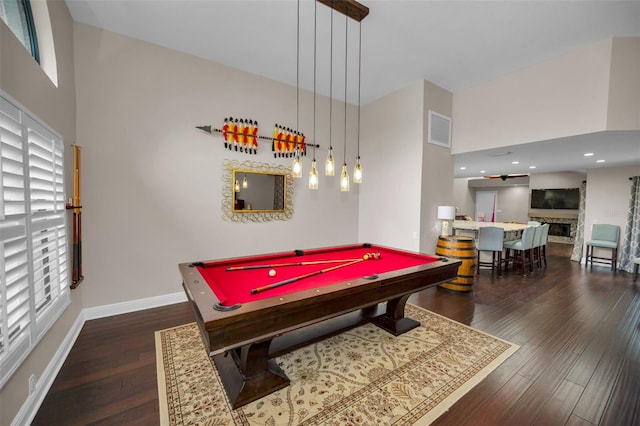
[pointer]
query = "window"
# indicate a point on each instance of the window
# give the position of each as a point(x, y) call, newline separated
point(34, 284)
point(18, 16)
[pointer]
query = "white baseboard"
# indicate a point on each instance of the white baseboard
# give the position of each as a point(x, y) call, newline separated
point(31, 405)
point(133, 305)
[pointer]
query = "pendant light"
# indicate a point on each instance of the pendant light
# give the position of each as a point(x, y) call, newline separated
point(357, 169)
point(296, 166)
point(313, 173)
point(245, 182)
point(329, 164)
point(344, 176)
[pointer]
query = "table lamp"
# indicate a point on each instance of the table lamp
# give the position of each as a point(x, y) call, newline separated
point(446, 214)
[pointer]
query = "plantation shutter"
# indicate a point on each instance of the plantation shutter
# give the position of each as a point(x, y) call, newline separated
point(34, 287)
point(48, 236)
point(14, 288)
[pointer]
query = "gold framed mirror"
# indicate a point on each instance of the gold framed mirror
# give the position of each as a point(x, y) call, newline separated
point(256, 192)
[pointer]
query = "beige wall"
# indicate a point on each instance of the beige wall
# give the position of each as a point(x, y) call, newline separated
point(390, 193)
point(463, 197)
point(556, 180)
point(437, 169)
point(513, 204)
point(561, 97)
point(23, 79)
point(607, 199)
point(398, 203)
point(624, 88)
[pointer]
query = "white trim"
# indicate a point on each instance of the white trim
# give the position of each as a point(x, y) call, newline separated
point(133, 305)
point(31, 405)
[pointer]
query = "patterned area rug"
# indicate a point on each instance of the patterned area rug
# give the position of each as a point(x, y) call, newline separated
point(364, 376)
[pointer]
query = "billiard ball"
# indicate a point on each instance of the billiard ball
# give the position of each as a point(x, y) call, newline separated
point(272, 272)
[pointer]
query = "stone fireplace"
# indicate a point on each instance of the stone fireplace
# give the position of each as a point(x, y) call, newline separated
point(560, 229)
point(562, 226)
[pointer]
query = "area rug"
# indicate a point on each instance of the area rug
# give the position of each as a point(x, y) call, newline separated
point(364, 376)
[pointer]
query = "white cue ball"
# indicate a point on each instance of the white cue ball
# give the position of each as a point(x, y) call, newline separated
point(272, 272)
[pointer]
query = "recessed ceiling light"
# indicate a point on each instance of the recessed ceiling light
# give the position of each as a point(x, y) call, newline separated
point(532, 167)
point(588, 154)
point(600, 161)
point(483, 171)
point(515, 162)
point(463, 168)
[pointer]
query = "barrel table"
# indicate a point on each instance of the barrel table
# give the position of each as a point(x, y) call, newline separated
point(459, 248)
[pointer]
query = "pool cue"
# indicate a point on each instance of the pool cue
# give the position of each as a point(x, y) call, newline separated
point(301, 277)
point(76, 205)
point(280, 265)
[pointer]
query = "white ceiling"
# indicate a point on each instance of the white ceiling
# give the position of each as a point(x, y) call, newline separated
point(562, 154)
point(454, 44)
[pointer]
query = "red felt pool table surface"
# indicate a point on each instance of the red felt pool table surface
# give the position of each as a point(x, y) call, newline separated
point(233, 287)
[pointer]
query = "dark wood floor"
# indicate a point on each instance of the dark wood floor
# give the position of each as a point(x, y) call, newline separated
point(579, 361)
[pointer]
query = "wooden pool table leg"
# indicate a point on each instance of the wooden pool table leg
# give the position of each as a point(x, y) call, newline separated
point(248, 374)
point(394, 320)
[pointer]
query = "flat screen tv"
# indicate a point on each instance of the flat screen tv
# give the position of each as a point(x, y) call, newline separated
point(568, 198)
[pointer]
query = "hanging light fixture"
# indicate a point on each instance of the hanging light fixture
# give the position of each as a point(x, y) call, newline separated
point(296, 166)
point(356, 11)
point(344, 179)
point(313, 173)
point(236, 187)
point(329, 164)
point(357, 169)
point(344, 176)
point(245, 182)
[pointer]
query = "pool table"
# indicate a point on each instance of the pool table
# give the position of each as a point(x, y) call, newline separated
point(244, 329)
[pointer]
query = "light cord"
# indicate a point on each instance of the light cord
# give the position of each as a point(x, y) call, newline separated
point(314, 77)
point(346, 49)
point(359, 76)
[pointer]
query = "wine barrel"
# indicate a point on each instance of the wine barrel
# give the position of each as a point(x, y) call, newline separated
point(459, 248)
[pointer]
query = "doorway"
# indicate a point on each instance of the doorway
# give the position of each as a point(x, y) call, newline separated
point(486, 202)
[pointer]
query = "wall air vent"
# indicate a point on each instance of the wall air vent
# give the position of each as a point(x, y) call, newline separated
point(439, 129)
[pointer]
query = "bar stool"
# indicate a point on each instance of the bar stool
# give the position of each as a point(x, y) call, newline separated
point(539, 244)
point(636, 265)
point(603, 236)
point(491, 238)
point(522, 249)
point(545, 240)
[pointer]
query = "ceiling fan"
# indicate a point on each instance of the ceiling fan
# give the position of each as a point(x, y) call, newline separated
point(504, 177)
